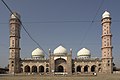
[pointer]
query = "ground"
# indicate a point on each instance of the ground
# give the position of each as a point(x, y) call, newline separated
point(38, 77)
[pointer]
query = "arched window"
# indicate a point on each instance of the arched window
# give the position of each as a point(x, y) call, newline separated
point(47, 69)
point(99, 64)
point(47, 65)
point(99, 70)
point(12, 65)
point(12, 62)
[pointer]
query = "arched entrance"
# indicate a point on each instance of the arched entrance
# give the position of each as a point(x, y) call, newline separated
point(27, 68)
point(93, 68)
point(34, 69)
point(41, 69)
point(86, 68)
point(78, 68)
point(60, 65)
point(60, 68)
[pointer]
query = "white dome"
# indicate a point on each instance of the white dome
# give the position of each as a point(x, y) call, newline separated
point(60, 50)
point(83, 52)
point(106, 14)
point(38, 52)
point(15, 15)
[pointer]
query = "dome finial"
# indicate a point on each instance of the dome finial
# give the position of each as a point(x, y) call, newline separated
point(106, 14)
point(15, 15)
point(49, 50)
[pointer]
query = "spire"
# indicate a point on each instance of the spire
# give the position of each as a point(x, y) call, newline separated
point(106, 14)
point(15, 15)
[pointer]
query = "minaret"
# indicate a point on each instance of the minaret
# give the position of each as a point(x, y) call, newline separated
point(107, 59)
point(14, 49)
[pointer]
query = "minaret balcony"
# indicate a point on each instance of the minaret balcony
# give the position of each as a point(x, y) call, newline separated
point(107, 57)
point(106, 21)
point(14, 36)
point(14, 48)
point(106, 47)
point(106, 35)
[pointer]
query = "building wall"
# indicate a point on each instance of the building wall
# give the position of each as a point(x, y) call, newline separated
point(97, 64)
point(69, 66)
point(34, 63)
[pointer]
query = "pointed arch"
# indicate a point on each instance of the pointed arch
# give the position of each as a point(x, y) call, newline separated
point(27, 68)
point(34, 69)
point(78, 68)
point(60, 68)
point(86, 68)
point(93, 68)
point(47, 69)
point(41, 69)
point(60, 65)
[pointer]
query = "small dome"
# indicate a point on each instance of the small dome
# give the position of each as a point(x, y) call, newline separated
point(38, 52)
point(83, 52)
point(60, 50)
point(15, 15)
point(106, 14)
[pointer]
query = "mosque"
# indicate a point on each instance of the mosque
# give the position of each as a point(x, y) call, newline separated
point(60, 60)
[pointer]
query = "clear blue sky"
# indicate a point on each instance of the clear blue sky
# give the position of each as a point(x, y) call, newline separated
point(48, 22)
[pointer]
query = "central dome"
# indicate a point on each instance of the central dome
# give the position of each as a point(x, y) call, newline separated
point(60, 51)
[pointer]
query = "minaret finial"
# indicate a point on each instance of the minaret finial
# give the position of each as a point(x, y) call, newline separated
point(106, 14)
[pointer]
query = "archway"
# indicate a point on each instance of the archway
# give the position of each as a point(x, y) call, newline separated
point(41, 68)
point(34, 69)
point(60, 68)
point(78, 68)
point(60, 65)
point(86, 68)
point(27, 68)
point(93, 68)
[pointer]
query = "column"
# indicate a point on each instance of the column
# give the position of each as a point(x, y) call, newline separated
point(82, 69)
point(37, 69)
point(89, 69)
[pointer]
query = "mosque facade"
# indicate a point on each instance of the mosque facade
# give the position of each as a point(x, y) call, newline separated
point(60, 60)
